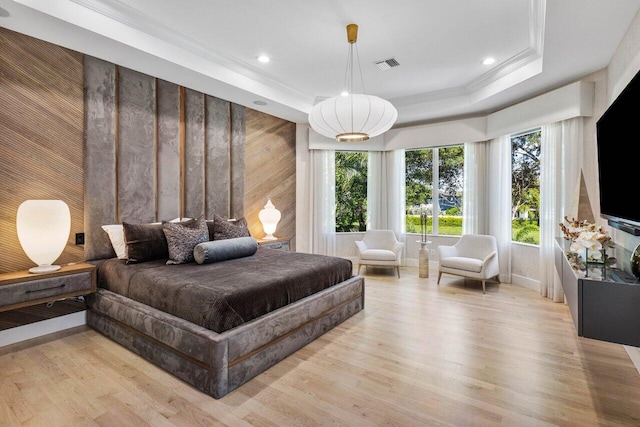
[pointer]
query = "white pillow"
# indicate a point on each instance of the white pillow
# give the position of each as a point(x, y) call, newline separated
point(180, 219)
point(116, 235)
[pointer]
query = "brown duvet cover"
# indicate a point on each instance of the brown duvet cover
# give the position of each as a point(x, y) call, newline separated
point(223, 295)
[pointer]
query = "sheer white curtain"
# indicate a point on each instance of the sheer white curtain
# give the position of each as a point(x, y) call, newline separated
point(386, 193)
point(376, 191)
point(560, 164)
point(395, 192)
point(499, 201)
point(474, 199)
point(323, 201)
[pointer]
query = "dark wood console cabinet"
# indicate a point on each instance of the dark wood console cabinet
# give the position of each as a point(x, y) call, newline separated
point(604, 301)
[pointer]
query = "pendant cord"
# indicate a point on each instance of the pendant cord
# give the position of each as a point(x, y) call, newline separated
point(348, 76)
point(360, 69)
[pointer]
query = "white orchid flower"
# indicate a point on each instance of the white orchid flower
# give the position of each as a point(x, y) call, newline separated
point(588, 239)
point(575, 247)
point(595, 255)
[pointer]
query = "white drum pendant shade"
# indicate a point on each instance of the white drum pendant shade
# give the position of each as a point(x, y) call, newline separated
point(354, 117)
point(43, 230)
point(269, 217)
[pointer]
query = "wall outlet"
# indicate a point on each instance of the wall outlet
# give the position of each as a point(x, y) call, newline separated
point(79, 238)
point(433, 252)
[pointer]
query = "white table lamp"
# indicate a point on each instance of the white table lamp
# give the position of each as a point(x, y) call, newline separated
point(269, 217)
point(43, 230)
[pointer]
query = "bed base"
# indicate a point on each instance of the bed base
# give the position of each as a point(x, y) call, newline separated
point(219, 363)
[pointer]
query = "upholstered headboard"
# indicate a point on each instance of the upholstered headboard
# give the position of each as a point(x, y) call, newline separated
point(155, 150)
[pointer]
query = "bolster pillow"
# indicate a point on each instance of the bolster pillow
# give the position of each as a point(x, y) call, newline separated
point(222, 250)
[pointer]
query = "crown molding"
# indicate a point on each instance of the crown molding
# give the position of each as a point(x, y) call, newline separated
point(476, 89)
point(137, 20)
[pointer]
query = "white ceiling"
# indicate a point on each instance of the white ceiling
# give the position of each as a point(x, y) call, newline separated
point(212, 46)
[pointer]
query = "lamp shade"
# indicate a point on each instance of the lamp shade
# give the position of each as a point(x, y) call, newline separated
point(43, 230)
point(269, 217)
point(351, 118)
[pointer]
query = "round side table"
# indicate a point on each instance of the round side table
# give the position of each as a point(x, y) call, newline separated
point(423, 259)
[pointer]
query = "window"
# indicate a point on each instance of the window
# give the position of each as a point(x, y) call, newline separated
point(418, 188)
point(450, 185)
point(423, 168)
point(351, 191)
point(525, 187)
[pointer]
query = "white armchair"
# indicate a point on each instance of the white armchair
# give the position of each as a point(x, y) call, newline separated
point(474, 256)
point(379, 248)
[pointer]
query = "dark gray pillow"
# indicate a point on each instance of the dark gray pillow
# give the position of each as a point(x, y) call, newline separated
point(220, 228)
point(222, 250)
point(145, 242)
point(182, 238)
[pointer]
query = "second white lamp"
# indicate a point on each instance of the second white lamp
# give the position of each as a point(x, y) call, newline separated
point(269, 217)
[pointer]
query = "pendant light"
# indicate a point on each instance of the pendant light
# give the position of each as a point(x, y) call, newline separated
point(352, 117)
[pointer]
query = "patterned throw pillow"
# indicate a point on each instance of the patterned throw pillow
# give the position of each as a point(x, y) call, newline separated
point(182, 238)
point(224, 229)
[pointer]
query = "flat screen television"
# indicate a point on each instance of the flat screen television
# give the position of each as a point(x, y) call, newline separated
point(618, 142)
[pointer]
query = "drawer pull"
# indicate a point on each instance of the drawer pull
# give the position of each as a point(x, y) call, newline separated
point(45, 289)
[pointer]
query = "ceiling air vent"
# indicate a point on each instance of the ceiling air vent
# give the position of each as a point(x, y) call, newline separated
point(387, 63)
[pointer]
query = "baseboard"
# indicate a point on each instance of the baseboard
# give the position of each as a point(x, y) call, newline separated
point(525, 282)
point(414, 262)
point(408, 262)
point(45, 327)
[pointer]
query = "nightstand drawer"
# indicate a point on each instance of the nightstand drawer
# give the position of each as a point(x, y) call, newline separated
point(46, 288)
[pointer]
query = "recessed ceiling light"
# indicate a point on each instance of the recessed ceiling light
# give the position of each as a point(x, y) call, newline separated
point(488, 61)
point(344, 93)
point(263, 58)
point(259, 102)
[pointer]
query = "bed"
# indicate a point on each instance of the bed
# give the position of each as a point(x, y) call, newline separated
point(218, 325)
point(153, 151)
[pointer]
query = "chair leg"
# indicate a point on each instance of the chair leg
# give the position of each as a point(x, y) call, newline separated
point(359, 267)
point(398, 270)
point(483, 289)
point(439, 276)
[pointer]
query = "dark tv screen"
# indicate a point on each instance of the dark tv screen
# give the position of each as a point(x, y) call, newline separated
point(618, 142)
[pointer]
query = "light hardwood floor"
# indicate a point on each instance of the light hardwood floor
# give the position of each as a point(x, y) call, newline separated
point(418, 354)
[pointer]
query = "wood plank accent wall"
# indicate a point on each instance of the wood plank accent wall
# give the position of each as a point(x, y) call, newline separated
point(270, 162)
point(41, 137)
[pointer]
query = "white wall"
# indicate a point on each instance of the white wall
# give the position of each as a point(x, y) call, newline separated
point(569, 101)
point(437, 134)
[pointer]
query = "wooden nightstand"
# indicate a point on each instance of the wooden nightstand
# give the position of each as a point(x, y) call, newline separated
point(21, 288)
point(282, 243)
